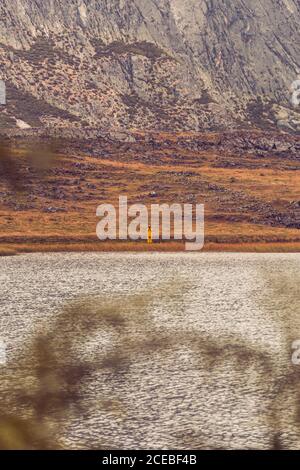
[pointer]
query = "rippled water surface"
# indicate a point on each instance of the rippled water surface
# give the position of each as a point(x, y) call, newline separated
point(220, 375)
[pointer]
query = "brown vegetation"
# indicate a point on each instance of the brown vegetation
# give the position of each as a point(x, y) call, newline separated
point(250, 185)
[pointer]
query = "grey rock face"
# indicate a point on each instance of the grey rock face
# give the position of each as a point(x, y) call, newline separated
point(150, 64)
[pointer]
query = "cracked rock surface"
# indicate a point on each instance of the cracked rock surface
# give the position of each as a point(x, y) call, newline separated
point(150, 64)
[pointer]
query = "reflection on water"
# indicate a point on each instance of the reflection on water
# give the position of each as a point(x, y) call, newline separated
point(150, 351)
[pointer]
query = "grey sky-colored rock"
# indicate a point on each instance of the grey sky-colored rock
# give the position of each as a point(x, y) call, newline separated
point(151, 64)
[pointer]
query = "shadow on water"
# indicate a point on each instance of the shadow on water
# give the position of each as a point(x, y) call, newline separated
point(45, 385)
point(281, 300)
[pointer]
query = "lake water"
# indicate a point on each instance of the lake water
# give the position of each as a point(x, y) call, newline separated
point(204, 342)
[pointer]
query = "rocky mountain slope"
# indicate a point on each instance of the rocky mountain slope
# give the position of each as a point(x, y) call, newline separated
point(150, 64)
point(248, 181)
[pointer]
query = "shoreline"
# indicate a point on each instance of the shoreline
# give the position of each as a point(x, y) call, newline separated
point(12, 249)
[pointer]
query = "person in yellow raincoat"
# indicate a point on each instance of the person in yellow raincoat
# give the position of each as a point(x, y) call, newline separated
point(149, 239)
